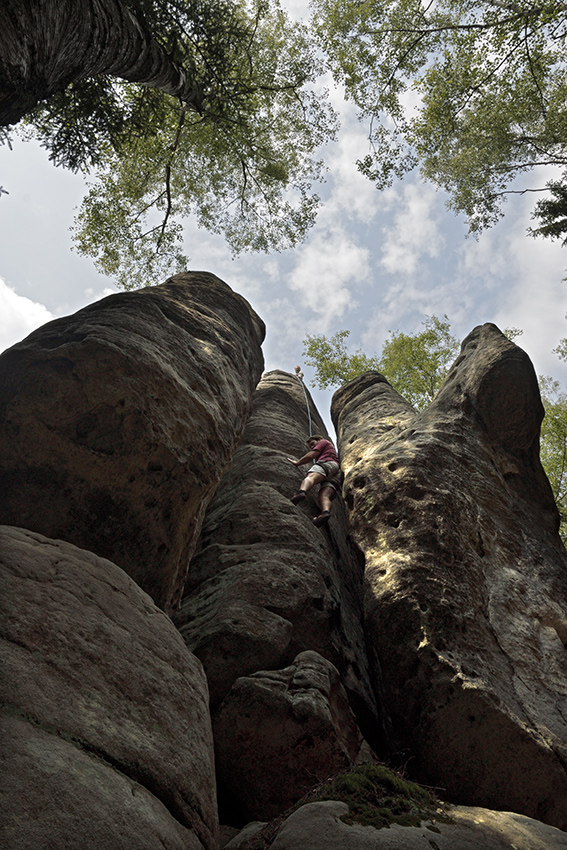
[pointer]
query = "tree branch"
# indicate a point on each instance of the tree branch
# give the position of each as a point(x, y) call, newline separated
point(174, 147)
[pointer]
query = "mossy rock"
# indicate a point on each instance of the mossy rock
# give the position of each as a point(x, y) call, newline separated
point(375, 795)
point(378, 797)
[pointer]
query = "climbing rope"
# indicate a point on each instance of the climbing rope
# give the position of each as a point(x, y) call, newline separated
point(299, 376)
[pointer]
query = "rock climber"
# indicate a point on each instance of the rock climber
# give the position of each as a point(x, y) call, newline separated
point(325, 471)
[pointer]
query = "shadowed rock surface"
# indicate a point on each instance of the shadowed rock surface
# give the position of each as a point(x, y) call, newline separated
point(106, 738)
point(466, 577)
point(279, 732)
point(116, 423)
point(265, 584)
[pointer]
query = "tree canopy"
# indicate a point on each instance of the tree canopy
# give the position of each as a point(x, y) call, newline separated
point(552, 214)
point(332, 362)
point(474, 93)
point(553, 444)
point(415, 364)
point(175, 108)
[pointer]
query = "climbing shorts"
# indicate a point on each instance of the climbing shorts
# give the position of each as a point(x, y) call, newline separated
point(334, 476)
point(328, 468)
point(335, 481)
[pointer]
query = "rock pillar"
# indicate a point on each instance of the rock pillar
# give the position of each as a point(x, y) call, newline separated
point(266, 584)
point(116, 423)
point(466, 577)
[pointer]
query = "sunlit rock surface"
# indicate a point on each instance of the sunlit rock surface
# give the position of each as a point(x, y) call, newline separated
point(320, 826)
point(105, 731)
point(466, 577)
point(116, 423)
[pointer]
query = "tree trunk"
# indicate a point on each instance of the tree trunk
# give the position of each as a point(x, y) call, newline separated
point(47, 44)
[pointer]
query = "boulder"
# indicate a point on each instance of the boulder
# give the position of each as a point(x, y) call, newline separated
point(117, 422)
point(320, 826)
point(280, 731)
point(106, 735)
point(266, 584)
point(466, 577)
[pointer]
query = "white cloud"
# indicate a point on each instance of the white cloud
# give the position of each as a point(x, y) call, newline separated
point(415, 232)
point(352, 195)
point(537, 303)
point(20, 316)
point(328, 267)
point(96, 296)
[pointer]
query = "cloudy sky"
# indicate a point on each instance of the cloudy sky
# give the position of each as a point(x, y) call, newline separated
point(374, 262)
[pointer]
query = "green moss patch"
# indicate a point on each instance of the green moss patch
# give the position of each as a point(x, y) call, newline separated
point(375, 795)
point(378, 797)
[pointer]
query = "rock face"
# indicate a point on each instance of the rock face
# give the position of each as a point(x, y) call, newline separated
point(279, 732)
point(466, 578)
point(265, 584)
point(319, 826)
point(106, 736)
point(116, 423)
point(431, 622)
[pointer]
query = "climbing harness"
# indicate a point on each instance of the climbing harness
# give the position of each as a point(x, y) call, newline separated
point(299, 376)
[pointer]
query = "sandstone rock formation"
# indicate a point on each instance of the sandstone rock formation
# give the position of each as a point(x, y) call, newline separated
point(265, 584)
point(432, 621)
point(466, 578)
point(319, 826)
point(116, 423)
point(279, 732)
point(106, 737)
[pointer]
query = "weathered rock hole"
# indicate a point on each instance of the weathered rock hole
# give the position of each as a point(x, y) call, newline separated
point(349, 499)
point(62, 364)
point(305, 741)
point(417, 493)
point(423, 606)
point(359, 482)
point(394, 522)
point(393, 466)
